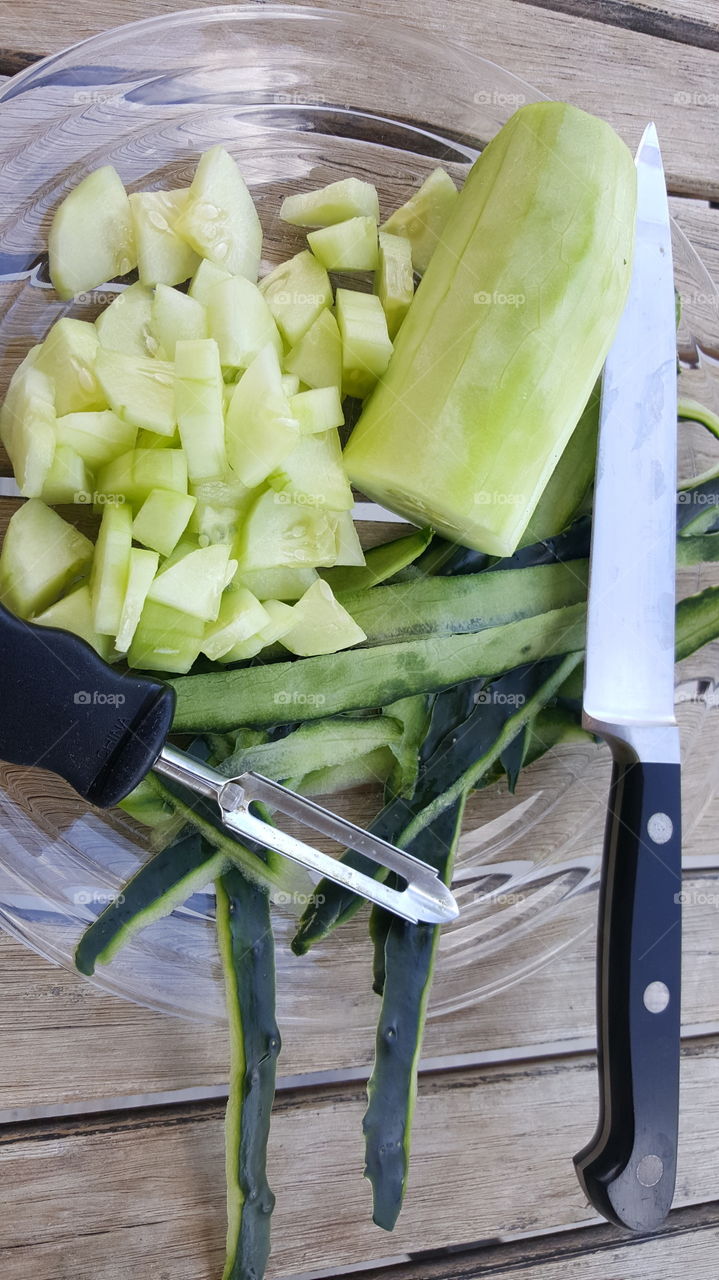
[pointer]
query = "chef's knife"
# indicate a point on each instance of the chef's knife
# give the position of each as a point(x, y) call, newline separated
point(65, 710)
point(628, 1169)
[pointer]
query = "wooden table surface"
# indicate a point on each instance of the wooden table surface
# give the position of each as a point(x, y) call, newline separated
point(111, 1161)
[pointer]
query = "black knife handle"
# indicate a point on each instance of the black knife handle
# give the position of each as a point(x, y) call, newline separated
point(64, 709)
point(628, 1169)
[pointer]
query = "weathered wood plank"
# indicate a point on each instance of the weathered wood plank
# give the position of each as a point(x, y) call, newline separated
point(113, 1197)
point(627, 76)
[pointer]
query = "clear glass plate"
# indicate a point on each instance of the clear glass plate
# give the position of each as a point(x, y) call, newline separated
point(300, 97)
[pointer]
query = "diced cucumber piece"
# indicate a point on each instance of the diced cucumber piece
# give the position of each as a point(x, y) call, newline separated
point(349, 548)
point(134, 475)
point(347, 246)
point(28, 428)
point(195, 584)
point(208, 274)
point(317, 357)
point(150, 440)
point(165, 640)
point(163, 257)
point(313, 473)
point(141, 572)
point(176, 317)
point(139, 390)
point(319, 409)
point(68, 479)
point(91, 239)
point(222, 491)
point(278, 532)
point(366, 346)
point(281, 618)
point(212, 523)
point(110, 568)
point(125, 324)
point(97, 435)
point(220, 220)
point(280, 583)
point(422, 219)
point(74, 613)
point(260, 427)
point(68, 357)
point(188, 542)
point(240, 321)
point(41, 555)
point(394, 279)
point(297, 291)
point(241, 616)
point(200, 407)
point(348, 198)
point(162, 520)
point(290, 384)
point(321, 624)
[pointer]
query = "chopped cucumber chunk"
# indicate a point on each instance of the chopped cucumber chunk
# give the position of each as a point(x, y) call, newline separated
point(68, 356)
point(240, 321)
point(321, 624)
point(28, 428)
point(313, 473)
point(91, 238)
point(74, 613)
point(422, 219)
point(110, 568)
point(41, 555)
point(135, 474)
point(141, 572)
point(162, 520)
point(281, 583)
point(317, 357)
point(241, 616)
point(349, 548)
point(200, 407)
point(213, 523)
point(297, 291)
point(176, 317)
point(394, 280)
point(149, 440)
point(281, 617)
point(290, 384)
point(219, 219)
point(165, 640)
point(347, 246)
point(281, 533)
point(68, 479)
point(195, 584)
point(97, 435)
point(163, 257)
point(208, 274)
point(337, 202)
point(366, 345)
point(260, 427)
point(140, 391)
point(319, 409)
point(125, 324)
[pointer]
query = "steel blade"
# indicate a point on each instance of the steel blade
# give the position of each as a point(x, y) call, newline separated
point(629, 676)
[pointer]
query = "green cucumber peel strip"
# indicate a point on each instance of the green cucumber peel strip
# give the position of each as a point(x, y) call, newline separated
point(455, 756)
point(317, 745)
point(163, 883)
point(382, 562)
point(408, 965)
point(692, 411)
point(360, 678)
point(244, 933)
point(374, 768)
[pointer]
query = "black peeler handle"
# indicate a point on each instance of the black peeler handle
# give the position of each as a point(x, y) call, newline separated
point(64, 709)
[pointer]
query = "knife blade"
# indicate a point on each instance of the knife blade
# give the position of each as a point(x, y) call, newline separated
point(628, 1169)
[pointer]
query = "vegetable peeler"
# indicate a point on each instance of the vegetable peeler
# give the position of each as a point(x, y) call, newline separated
point(64, 709)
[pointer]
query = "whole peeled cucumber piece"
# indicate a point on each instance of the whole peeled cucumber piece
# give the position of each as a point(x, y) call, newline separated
point(507, 332)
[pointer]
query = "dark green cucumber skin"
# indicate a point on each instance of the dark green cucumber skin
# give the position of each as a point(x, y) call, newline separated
point(359, 678)
point(243, 910)
point(184, 859)
point(409, 954)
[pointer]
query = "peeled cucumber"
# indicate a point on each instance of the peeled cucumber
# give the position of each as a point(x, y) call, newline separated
point(219, 220)
point(91, 238)
point(423, 218)
point(348, 198)
point(163, 257)
point(41, 556)
point(502, 345)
